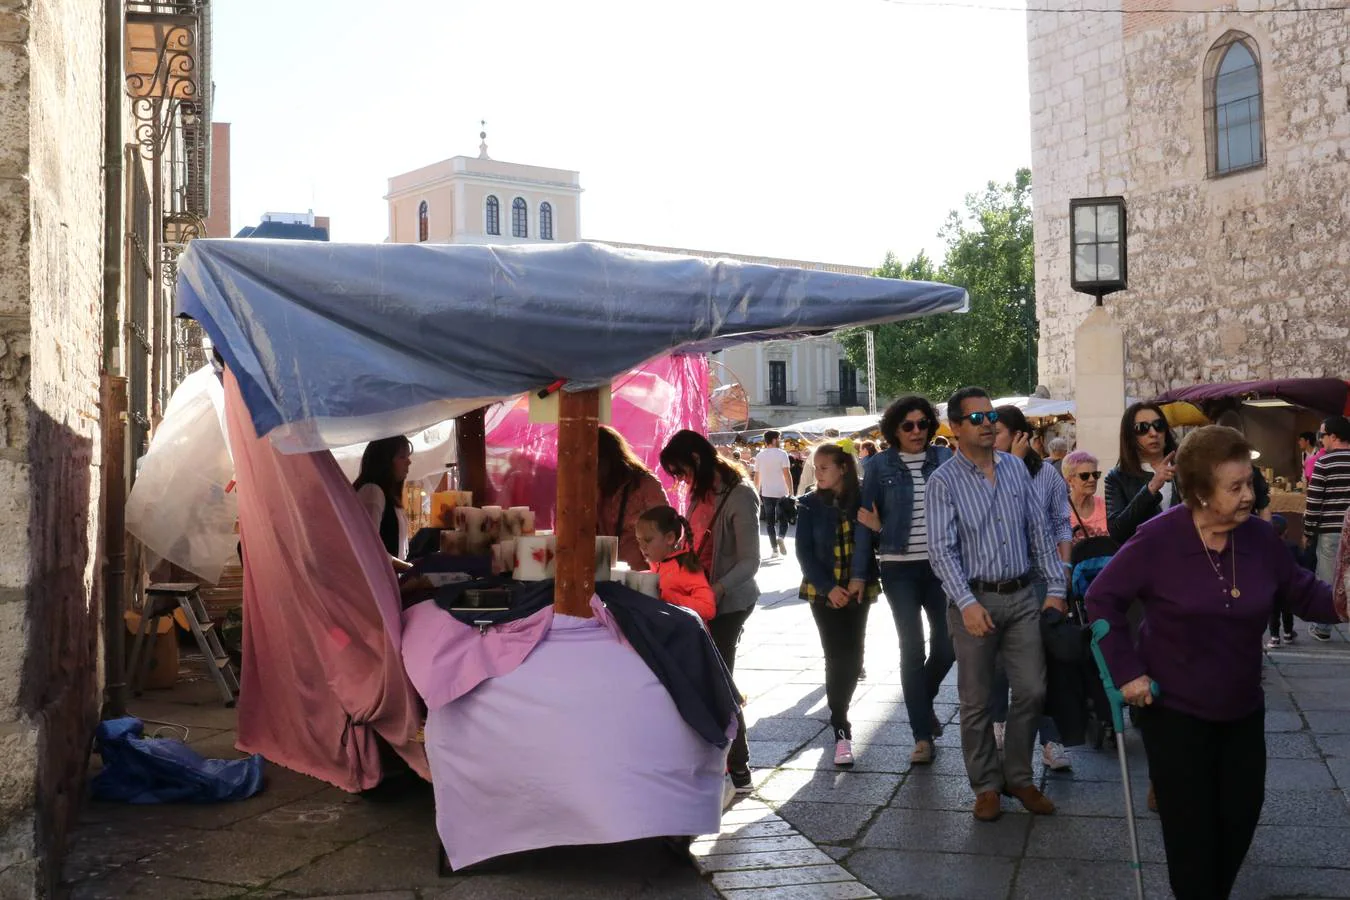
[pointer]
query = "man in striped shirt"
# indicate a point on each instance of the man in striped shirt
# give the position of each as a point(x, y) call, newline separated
point(1328, 498)
point(985, 535)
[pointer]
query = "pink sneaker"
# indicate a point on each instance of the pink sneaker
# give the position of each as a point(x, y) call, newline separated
point(843, 752)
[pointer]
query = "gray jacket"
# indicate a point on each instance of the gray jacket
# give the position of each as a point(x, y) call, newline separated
point(736, 550)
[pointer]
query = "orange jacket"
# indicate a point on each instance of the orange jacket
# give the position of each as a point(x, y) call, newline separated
point(688, 589)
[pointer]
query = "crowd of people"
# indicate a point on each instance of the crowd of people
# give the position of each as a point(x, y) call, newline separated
point(973, 545)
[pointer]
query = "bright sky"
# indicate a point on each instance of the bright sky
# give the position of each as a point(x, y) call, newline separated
point(828, 130)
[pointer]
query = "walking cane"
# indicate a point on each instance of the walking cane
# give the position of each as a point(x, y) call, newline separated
point(1116, 699)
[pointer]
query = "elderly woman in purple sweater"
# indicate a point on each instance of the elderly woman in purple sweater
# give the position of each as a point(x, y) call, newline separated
point(1208, 574)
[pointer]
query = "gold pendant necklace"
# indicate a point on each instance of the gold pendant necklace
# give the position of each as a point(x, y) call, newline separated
point(1232, 548)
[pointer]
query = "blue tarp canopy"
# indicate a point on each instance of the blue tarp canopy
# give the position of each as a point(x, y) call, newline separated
point(333, 344)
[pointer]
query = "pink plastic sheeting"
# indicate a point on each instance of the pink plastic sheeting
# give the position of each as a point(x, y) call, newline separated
point(587, 735)
point(321, 674)
point(650, 404)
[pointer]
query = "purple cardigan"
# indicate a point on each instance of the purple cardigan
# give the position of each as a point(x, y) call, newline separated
point(1201, 645)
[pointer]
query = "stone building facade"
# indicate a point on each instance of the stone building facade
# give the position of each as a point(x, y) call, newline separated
point(1239, 265)
point(98, 194)
point(51, 283)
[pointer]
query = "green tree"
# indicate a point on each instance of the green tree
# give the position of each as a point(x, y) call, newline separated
point(990, 254)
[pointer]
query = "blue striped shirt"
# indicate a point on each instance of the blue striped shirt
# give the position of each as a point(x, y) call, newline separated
point(987, 532)
point(1052, 496)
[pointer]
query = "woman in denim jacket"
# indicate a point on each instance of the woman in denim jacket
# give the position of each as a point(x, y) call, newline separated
point(893, 509)
point(827, 529)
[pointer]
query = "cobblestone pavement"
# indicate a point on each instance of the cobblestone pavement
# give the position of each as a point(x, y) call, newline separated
point(808, 831)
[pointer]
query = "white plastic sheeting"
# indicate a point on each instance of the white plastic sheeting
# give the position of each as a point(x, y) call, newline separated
point(181, 506)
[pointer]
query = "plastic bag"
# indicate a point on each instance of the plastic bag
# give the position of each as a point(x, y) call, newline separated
point(182, 506)
point(142, 770)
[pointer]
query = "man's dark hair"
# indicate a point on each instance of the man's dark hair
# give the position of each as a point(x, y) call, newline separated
point(899, 410)
point(771, 438)
point(1309, 436)
point(1337, 427)
point(956, 402)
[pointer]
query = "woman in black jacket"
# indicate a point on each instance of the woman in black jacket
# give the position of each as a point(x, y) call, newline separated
point(1141, 485)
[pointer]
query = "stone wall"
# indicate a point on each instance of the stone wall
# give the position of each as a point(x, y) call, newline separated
point(1240, 276)
point(51, 234)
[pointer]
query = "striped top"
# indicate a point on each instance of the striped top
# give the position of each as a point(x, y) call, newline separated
point(1052, 496)
point(918, 523)
point(985, 531)
point(1328, 495)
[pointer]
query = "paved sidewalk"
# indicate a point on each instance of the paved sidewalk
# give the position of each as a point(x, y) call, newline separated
point(910, 833)
point(809, 830)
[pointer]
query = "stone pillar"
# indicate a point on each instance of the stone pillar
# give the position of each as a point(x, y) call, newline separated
point(1099, 385)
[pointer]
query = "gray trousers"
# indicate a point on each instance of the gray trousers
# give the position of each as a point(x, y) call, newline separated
point(1017, 636)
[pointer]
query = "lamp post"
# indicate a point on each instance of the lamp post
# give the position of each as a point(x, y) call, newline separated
point(1098, 260)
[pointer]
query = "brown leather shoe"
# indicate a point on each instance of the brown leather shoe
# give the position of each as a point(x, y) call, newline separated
point(1152, 799)
point(988, 807)
point(1033, 800)
point(923, 754)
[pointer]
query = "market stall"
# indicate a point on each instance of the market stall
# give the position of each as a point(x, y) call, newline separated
point(329, 344)
point(1271, 413)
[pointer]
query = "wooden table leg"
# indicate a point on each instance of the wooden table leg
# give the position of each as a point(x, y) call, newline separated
point(578, 428)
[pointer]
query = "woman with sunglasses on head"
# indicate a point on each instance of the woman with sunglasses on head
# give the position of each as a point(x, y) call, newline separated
point(894, 513)
point(1082, 473)
point(1141, 485)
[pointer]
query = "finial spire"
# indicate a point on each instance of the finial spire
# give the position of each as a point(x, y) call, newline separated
point(482, 136)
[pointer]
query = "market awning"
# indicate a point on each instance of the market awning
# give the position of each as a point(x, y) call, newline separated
point(1328, 396)
point(333, 344)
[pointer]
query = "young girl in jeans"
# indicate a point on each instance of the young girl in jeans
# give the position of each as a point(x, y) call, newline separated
point(666, 540)
point(827, 520)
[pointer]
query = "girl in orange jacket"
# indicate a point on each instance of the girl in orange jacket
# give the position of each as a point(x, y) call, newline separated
point(666, 540)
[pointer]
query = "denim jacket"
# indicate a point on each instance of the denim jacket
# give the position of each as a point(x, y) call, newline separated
point(889, 489)
point(817, 535)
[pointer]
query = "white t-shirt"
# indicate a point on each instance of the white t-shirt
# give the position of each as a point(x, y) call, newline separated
point(918, 524)
point(372, 499)
point(770, 464)
point(1167, 489)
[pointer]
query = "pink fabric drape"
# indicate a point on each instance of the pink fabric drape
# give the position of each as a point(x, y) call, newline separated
point(322, 673)
point(650, 404)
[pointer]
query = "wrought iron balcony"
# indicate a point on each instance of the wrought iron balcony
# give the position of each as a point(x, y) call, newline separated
point(841, 399)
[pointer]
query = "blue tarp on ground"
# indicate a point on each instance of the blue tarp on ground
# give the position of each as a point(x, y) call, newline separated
point(337, 343)
point(137, 769)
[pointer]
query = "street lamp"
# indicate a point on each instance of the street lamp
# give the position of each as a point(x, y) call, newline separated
point(1098, 263)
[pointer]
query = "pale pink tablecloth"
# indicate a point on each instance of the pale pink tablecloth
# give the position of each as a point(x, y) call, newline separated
point(580, 744)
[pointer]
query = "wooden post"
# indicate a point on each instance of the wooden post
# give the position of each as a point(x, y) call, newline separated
point(113, 410)
point(471, 443)
point(578, 426)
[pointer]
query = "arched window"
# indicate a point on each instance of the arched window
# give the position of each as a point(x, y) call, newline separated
point(1233, 108)
point(520, 218)
point(545, 221)
point(493, 210)
point(422, 227)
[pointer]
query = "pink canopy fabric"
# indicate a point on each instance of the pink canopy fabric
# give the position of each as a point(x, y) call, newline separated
point(322, 673)
point(650, 404)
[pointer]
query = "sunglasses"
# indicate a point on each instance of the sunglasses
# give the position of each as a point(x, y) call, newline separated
point(979, 418)
point(1089, 476)
point(912, 425)
point(1143, 428)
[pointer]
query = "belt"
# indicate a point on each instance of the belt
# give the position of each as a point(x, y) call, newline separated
point(1010, 586)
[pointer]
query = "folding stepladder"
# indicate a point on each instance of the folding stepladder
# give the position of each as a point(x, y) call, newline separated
point(163, 600)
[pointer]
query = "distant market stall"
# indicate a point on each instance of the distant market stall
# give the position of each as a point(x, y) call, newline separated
point(1272, 414)
point(327, 345)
